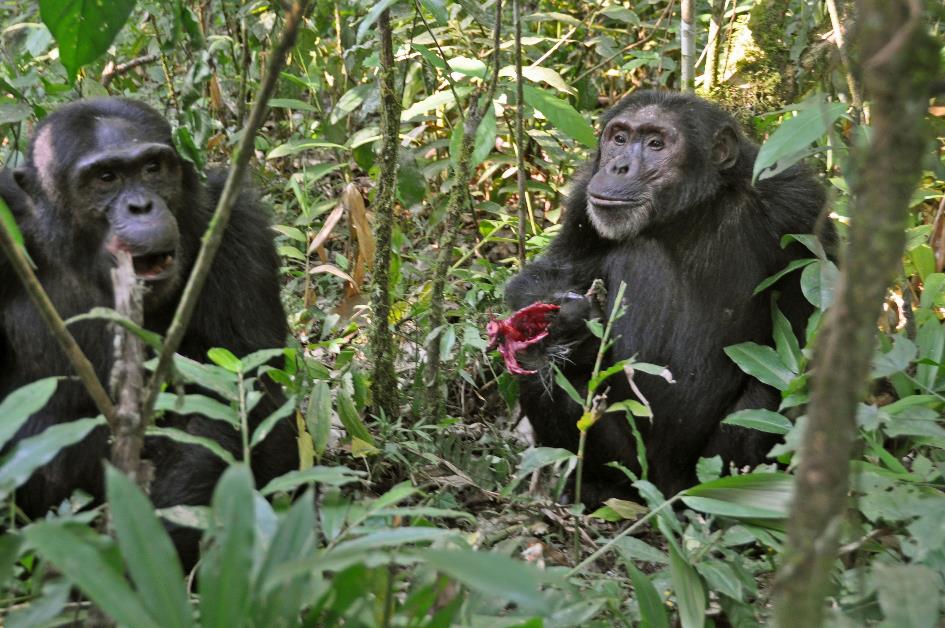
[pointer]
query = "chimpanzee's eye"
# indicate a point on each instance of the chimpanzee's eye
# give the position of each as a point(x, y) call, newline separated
point(655, 143)
point(152, 166)
point(620, 138)
point(106, 176)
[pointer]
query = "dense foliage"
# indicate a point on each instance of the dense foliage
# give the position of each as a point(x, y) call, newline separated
point(441, 513)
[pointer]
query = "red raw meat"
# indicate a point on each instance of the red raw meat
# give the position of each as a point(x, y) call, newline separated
point(520, 330)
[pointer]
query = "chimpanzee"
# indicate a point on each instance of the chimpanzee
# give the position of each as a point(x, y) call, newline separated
point(668, 207)
point(103, 175)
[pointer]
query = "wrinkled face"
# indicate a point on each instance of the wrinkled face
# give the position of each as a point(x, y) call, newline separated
point(642, 153)
point(126, 182)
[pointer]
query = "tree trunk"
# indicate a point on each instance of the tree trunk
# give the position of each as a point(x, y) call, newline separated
point(898, 60)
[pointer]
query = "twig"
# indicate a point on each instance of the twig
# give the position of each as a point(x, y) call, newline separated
point(213, 237)
point(449, 79)
point(844, 56)
point(127, 378)
point(112, 71)
point(57, 326)
point(520, 128)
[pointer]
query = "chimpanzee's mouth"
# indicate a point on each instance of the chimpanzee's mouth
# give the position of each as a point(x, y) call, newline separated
point(154, 266)
point(602, 202)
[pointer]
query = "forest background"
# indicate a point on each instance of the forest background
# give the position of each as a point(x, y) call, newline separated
point(391, 152)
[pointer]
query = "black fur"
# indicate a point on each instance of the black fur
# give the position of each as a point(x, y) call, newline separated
point(239, 309)
point(689, 294)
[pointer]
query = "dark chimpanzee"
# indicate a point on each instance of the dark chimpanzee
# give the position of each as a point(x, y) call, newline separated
point(669, 208)
point(103, 175)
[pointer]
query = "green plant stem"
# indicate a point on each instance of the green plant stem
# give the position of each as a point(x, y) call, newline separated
point(519, 130)
point(213, 237)
point(46, 309)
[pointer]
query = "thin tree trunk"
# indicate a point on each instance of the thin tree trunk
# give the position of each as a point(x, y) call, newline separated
point(519, 130)
point(384, 386)
point(712, 46)
point(687, 44)
point(898, 60)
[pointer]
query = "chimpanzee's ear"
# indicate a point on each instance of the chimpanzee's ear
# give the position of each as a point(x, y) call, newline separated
point(725, 147)
point(22, 177)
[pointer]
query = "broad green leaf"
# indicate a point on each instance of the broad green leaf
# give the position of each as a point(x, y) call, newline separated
point(223, 357)
point(434, 101)
point(538, 74)
point(149, 554)
point(690, 593)
point(632, 548)
point(331, 476)
point(485, 137)
point(12, 113)
point(754, 495)
point(761, 362)
point(69, 548)
point(785, 342)
point(318, 417)
point(187, 438)
point(773, 279)
point(34, 452)
point(350, 418)
point(468, 66)
point(372, 17)
point(818, 283)
point(431, 57)
point(540, 457)
point(721, 578)
point(652, 611)
point(910, 595)
point(84, 29)
point(350, 101)
point(262, 431)
point(10, 543)
point(215, 378)
point(197, 404)
point(808, 240)
point(896, 360)
point(226, 567)
point(493, 575)
point(795, 135)
point(931, 344)
point(20, 404)
point(294, 147)
point(437, 8)
point(561, 115)
point(761, 420)
point(42, 611)
point(291, 103)
point(7, 222)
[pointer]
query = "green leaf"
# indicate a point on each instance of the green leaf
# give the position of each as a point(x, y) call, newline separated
point(350, 101)
point(437, 8)
point(652, 611)
point(23, 402)
point(70, 549)
point(468, 66)
point(896, 360)
point(931, 344)
point(262, 431)
point(7, 222)
point(42, 611)
point(818, 283)
point(350, 418)
point(187, 438)
point(792, 139)
point(485, 137)
point(785, 342)
point(215, 378)
point(223, 357)
point(226, 567)
point(372, 17)
point(761, 362)
point(493, 575)
point(690, 593)
point(561, 115)
point(294, 147)
point(753, 495)
point(773, 279)
point(318, 417)
point(197, 404)
point(566, 386)
point(761, 420)
point(291, 103)
point(910, 595)
point(149, 554)
point(431, 57)
point(34, 452)
point(331, 476)
point(150, 338)
point(538, 74)
point(540, 457)
point(84, 29)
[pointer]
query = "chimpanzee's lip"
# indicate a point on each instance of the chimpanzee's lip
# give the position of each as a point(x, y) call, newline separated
point(613, 203)
point(155, 266)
